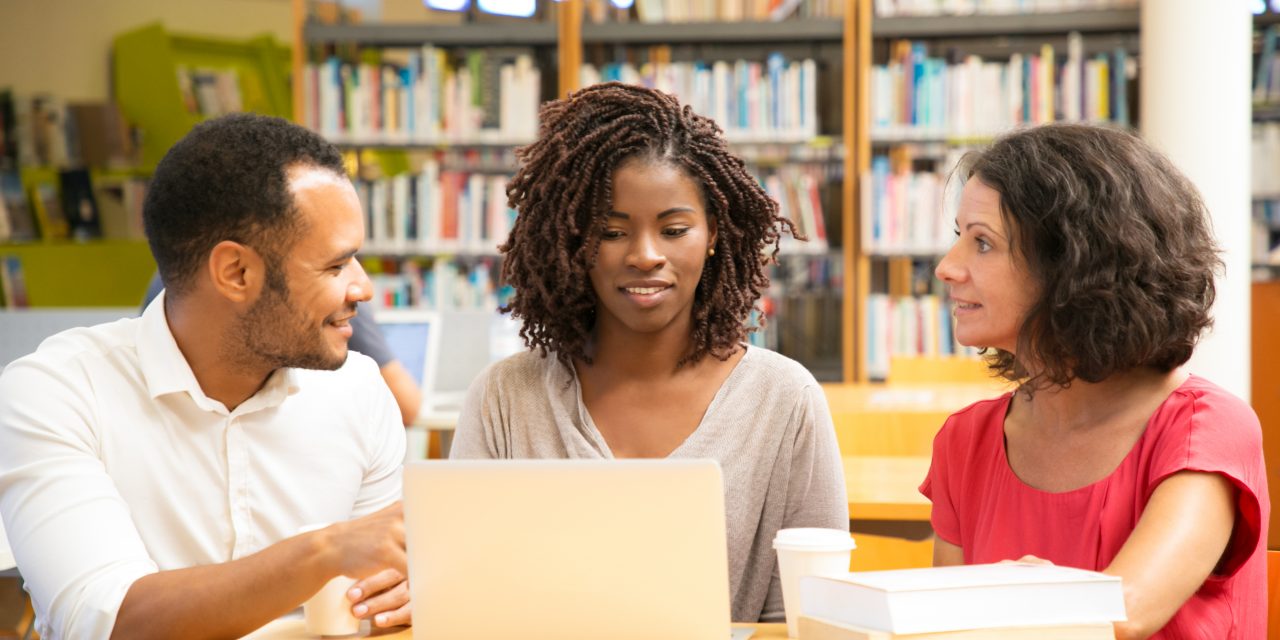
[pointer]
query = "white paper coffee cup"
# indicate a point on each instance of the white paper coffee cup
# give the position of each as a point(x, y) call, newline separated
point(808, 552)
point(328, 612)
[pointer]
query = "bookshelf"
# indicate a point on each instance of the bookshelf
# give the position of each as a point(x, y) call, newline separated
point(849, 46)
point(150, 63)
point(71, 274)
point(1266, 150)
point(902, 212)
point(788, 162)
point(390, 95)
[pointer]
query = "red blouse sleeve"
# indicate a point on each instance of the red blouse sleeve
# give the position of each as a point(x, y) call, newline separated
point(1209, 430)
point(937, 484)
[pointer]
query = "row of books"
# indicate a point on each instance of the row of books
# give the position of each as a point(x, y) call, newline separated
point(905, 212)
point(70, 204)
point(436, 211)
point(770, 101)
point(1265, 158)
point(798, 189)
point(439, 284)
point(439, 211)
point(43, 130)
point(891, 8)
point(802, 310)
point(1266, 82)
point(435, 97)
point(908, 326)
point(916, 96)
point(210, 92)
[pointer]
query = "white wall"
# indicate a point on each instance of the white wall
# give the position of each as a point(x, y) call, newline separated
point(63, 46)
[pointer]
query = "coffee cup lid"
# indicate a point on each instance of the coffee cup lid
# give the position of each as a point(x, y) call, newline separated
point(813, 538)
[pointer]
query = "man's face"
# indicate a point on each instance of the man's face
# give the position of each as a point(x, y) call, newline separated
point(302, 318)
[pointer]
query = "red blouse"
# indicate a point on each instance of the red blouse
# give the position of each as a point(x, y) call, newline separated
point(982, 507)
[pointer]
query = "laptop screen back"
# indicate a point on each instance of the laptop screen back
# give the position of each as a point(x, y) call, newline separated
point(414, 339)
point(623, 550)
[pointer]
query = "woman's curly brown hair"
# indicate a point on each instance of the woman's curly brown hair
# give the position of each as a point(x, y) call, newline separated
point(1118, 240)
point(563, 190)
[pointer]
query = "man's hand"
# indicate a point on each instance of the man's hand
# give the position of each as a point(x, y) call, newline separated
point(385, 597)
point(372, 549)
point(362, 547)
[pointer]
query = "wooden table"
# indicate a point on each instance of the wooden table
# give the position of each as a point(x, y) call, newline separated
point(293, 629)
point(888, 517)
point(899, 419)
point(886, 487)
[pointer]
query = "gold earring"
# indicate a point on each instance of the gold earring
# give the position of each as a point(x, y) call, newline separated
point(711, 252)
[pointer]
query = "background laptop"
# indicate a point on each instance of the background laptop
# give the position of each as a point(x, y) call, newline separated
point(567, 549)
point(445, 350)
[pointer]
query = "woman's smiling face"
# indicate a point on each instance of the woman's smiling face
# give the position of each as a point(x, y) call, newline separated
point(652, 251)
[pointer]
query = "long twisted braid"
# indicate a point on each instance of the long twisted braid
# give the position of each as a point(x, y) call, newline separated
point(563, 191)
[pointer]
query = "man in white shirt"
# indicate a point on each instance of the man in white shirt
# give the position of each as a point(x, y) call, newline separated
point(154, 471)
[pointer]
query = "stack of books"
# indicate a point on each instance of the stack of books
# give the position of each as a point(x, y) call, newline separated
point(998, 601)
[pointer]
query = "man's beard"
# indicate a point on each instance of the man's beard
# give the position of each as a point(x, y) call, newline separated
point(272, 333)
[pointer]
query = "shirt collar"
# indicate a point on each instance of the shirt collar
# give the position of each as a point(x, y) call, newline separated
point(167, 371)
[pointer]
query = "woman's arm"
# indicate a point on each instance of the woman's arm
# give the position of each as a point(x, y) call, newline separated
point(1180, 538)
point(946, 554)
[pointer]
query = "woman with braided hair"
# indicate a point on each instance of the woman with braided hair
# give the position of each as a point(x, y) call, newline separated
point(637, 257)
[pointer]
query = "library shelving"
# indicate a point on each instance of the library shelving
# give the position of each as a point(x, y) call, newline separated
point(415, 256)
point(838, 154)
point(937, 86)
point(166, 83)
point(429, 161)
point(163, 83)
point(1265, 152)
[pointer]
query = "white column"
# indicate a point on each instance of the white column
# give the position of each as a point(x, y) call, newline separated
point(1195, 86)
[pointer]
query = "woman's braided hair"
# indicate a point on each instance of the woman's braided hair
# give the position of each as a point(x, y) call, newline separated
point(563, 191)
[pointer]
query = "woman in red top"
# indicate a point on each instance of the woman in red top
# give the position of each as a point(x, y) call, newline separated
point(1085, 268)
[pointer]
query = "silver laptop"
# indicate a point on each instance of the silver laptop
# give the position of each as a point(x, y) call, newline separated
point(413, 335)
point(443, 350)
point(567, 549)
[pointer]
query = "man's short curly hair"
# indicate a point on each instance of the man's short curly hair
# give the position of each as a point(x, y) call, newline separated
point(563, 191)
point(1120, 244)
point(227, 180)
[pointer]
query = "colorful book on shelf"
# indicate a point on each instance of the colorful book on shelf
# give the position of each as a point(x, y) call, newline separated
point(8, 132)
point(120, 205)
point(47, 205)
point(956, 598)
point(20, 221)
point(79, 204)
point(13, 286)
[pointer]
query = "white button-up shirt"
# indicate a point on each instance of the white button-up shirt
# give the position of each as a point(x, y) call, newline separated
point(114, 464)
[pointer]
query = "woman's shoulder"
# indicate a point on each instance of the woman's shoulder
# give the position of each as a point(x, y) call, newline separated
point(1202, 395)
point(526, 369)
point(774, 368)
point(1201, 411)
